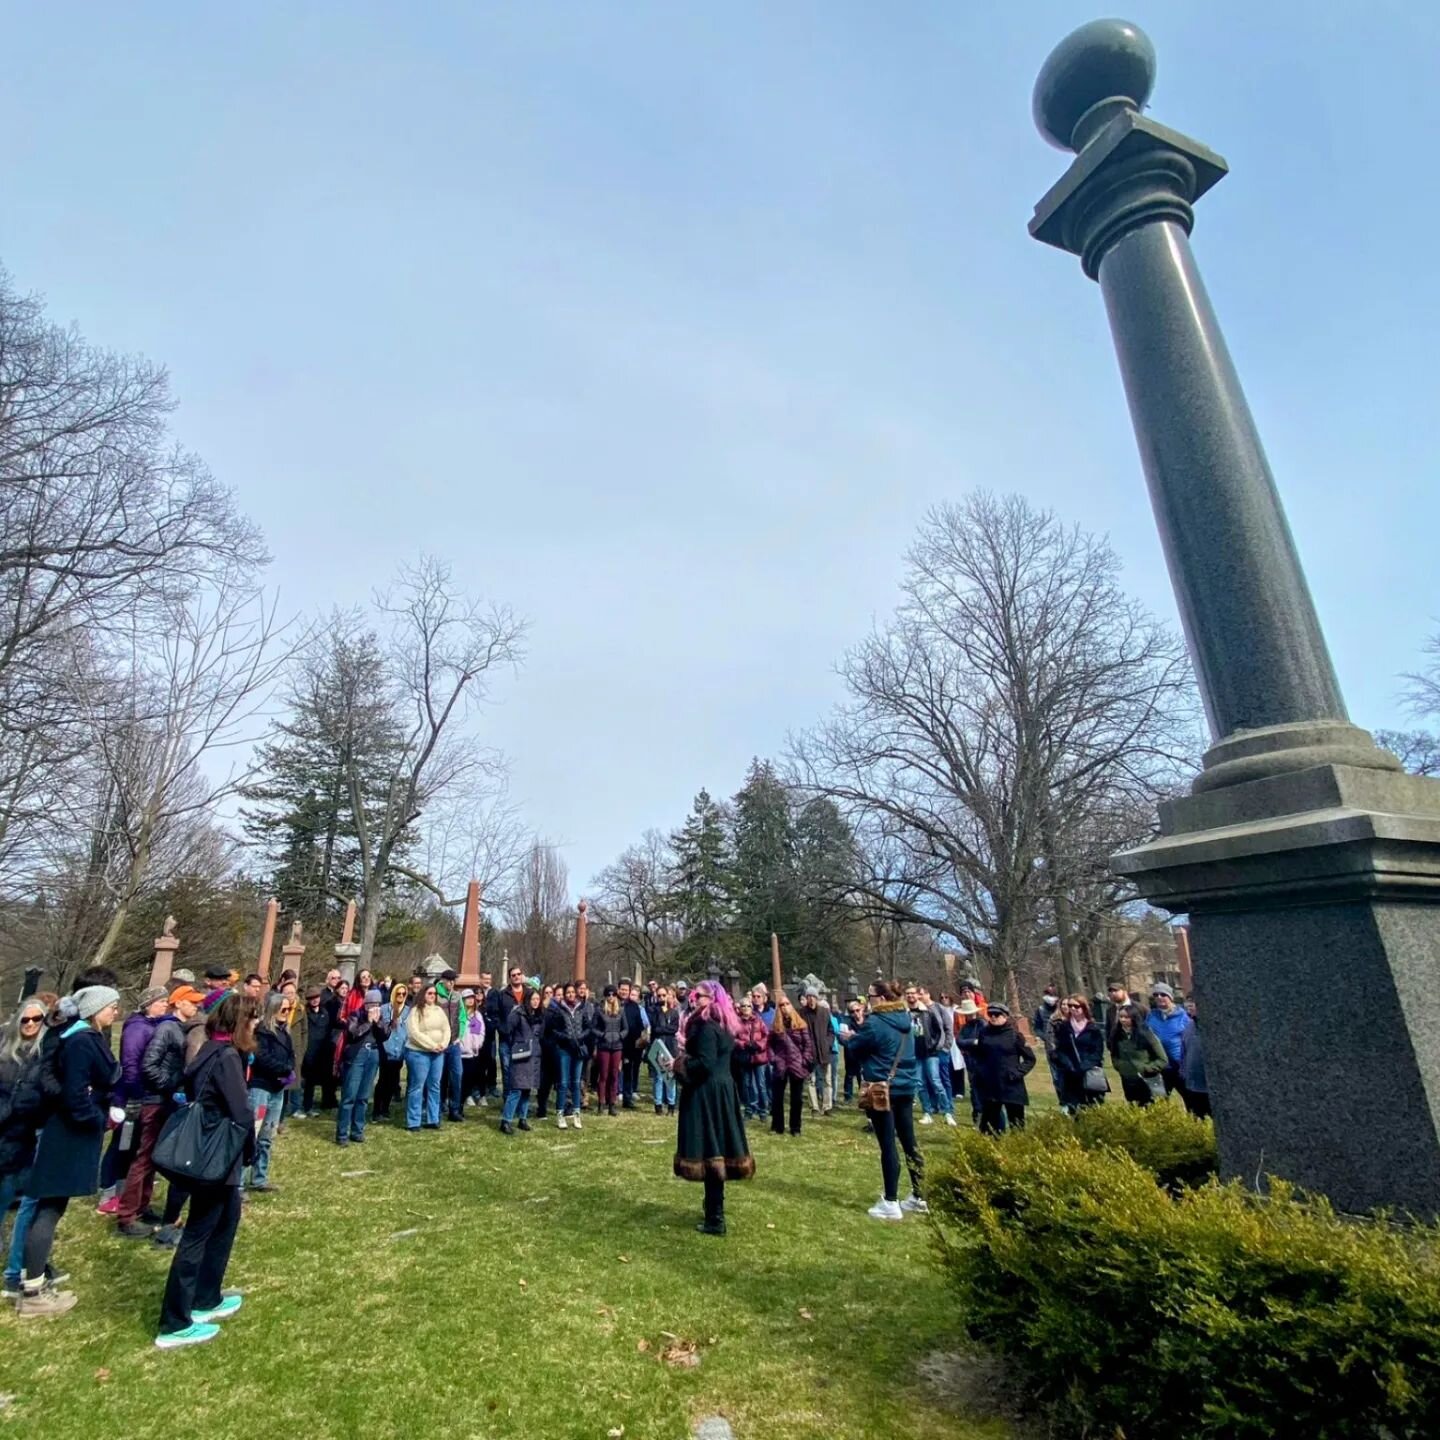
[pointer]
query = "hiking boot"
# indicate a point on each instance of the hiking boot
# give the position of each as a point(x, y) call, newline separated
point(193, 1334)
point(41, 1304)
point(134, 1230)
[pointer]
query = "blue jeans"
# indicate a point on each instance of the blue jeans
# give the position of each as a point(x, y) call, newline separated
point(753, 1089)
point(504, 1067)
point(454, 1080)
point(517, 1106)
point(15, 1262)
point(933, 1096)
point(572, 1069)
point(422, 1081)
point(274, 1103)
point(357, 1080)
point(664, 1086)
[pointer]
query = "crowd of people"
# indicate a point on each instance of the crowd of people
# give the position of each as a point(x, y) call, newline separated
point(235, 1060)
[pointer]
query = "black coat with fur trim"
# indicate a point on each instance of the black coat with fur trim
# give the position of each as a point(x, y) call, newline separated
point(711, 1134)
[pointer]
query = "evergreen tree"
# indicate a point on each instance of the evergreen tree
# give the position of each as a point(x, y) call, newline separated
point(763, 880)
point(826, 933)
point(700, 883)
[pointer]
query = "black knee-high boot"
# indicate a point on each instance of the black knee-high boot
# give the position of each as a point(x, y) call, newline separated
point(714, 1222)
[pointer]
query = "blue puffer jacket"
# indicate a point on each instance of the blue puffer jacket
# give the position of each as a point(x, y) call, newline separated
point(886, 1030)
point(1168, 1029)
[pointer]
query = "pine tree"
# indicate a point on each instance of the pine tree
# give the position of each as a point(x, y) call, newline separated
point(700, 883)
point(764, 880)
point(824, 848)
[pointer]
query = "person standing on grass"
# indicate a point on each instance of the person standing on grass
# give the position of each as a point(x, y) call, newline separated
point(523, 1033)
point(970, 1020)
point(1138, 1056)
point(568, 1024)
point(1079, 1049)
point(395, 1013)
point(1194, 1083)
point(753, 1047)
point(138, 1030)
point(1168, 1023)
point(588, 1011)
point(634, 1048)
point(609, 1041)
point(215, 1081)
point(78, 1078)
point(792, 1057)
point(365, 1033)
point(133, 1217)
point(20, 1116)
point(816, 1015)
point(664, 1022)
point(854, 1019)
point(710, 1137)
point(549, 1060)
point(272, 1070)
point(932, 1048)
point(164, 1070)
point(452, 1068)
point(1002, 1061)
point(473, 1040)
point(883, 1048)
point(505, 1001)
point(427, 1033)
point(317, 1064)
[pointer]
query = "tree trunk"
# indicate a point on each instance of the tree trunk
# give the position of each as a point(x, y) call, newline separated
point(369, 927)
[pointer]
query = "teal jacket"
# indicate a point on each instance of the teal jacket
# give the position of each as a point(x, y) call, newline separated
point(886, 1030)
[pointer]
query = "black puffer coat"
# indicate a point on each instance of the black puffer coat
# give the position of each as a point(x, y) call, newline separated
point(1002, 1060)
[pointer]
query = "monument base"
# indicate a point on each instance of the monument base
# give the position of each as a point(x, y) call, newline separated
point(1314, 904)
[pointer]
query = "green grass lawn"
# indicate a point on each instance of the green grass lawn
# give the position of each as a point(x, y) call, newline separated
point(547, 1276)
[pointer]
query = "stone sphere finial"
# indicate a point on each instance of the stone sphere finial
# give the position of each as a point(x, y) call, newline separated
point(1092, 75)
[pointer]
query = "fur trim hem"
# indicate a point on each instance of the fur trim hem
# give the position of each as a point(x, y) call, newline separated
point(716, 1167)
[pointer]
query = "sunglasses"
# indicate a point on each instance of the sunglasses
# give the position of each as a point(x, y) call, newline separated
point(32, 1019)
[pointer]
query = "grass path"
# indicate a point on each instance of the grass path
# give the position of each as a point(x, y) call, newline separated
point(548, 1275)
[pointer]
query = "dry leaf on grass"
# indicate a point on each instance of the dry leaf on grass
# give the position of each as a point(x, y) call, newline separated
point(682, 1355)
point(102, 1375)
point(616, 1433)
point(524, 1284)
point(806, 1314)
point(642, 1344)
point(770, 1226)
point(624, 1259)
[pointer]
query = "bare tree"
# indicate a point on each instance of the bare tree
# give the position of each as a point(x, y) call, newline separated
point(539, 910)
point(630, 903)
point(1016, 696)
point(192, 689)
point(396, 714)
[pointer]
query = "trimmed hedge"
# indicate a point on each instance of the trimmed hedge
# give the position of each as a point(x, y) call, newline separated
point(1164, 1138)
point(1129, 1312)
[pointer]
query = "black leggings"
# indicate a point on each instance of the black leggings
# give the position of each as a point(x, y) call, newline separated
point(41, 1237)
point(777, 1103)
point(996, 1115)
point(898, 1122)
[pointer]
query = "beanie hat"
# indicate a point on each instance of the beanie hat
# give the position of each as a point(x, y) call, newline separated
point(1160, 988)
point(150, 995)
point(374, 997)
point(188, 976)
point(90, 1001)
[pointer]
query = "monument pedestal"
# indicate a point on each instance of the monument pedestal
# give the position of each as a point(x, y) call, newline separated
point(1314, 904)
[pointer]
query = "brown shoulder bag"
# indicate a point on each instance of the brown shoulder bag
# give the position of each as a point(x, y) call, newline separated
point(875, 1094)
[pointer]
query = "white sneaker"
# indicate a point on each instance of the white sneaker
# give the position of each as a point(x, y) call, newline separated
point(885, 1210)
point(575, 1120)
point(926, 1120)
point(914, 1205)
point(470, 1103)
point(560, 1121)
point(950, 1121)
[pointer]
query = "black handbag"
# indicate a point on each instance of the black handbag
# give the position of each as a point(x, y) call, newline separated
point(196, 1149)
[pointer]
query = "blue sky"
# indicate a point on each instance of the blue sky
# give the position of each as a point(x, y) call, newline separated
point(667, 322)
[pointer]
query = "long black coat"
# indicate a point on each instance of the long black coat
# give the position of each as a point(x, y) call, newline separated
point(710, 1141)
point(519, 1030)
point(1002, 1060)
point(67, 1159)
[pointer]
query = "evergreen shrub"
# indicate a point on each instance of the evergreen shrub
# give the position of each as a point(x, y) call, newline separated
point(1128, 1311)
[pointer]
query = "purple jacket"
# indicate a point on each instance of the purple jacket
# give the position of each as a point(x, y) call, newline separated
point(134, 1037)
point(792, 1053)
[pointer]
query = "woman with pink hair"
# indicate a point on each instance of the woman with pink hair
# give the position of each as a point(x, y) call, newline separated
point(710, 1145)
